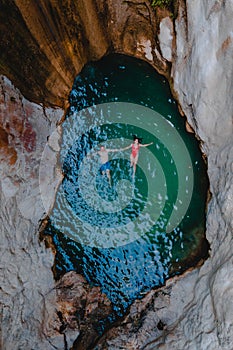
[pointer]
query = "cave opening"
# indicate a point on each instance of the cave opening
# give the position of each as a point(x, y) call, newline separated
point(130, 233)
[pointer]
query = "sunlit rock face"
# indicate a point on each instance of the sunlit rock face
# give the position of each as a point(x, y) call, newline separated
point(51, 41)
point(42, 49)
point(48, 45)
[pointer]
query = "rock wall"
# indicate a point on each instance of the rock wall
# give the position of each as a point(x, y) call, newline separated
point(27, 295)
point(50, 42)
point(44, 44)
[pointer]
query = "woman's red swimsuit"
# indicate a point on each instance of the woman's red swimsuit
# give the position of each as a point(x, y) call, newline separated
point(135, 150)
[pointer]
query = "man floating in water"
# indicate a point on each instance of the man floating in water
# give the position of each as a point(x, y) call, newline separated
point(135, 146)
point(105, 167)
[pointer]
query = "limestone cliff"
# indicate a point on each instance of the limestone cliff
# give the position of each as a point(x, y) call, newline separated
point(43, 46)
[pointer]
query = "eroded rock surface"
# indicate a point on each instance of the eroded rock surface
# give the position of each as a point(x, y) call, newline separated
point(26, 281)
point(81, 310)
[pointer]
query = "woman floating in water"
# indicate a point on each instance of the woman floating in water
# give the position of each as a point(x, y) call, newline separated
point(135, 146)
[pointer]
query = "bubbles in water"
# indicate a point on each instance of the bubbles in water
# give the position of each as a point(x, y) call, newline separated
point(128, 210)
point(124, 233)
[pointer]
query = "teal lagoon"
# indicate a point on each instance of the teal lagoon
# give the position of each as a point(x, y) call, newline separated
point(131, 236)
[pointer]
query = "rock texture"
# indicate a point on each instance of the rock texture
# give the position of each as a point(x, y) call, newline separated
point(27, 296)
point(50, 46)
point(81, 310)
point(52, 40)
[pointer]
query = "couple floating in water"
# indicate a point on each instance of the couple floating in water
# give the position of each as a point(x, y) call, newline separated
point(135, 146)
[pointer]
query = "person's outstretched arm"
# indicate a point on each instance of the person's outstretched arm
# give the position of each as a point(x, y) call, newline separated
point(147, 144)
point(92, 154)
point(125, 148)
point(118, 149)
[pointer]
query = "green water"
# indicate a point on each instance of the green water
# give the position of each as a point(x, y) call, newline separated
point(133, 235)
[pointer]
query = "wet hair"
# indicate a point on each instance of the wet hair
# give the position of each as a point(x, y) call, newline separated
point(136, 137)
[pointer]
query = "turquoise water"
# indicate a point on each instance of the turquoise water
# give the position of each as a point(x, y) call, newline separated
point(133, 235)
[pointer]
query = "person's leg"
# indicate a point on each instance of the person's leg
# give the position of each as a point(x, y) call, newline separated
point(135, 165)
point(131, 160)
point(109, 176)
point(102, 169)
point(134, 168)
